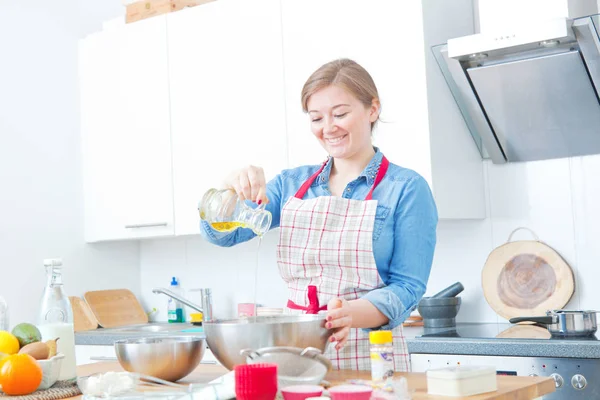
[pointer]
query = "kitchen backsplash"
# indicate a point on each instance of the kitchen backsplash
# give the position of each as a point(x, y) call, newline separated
point(558, 199)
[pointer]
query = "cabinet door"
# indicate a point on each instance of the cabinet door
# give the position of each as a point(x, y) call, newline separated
point(227, 97)
point(126, 132)
point(386, 38)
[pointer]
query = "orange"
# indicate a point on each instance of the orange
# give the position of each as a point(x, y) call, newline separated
point(9, 344)
point(20, 374)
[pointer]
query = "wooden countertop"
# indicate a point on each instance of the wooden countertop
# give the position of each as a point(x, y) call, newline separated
point(509, 387)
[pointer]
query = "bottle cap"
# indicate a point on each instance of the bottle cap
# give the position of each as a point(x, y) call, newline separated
point(53, 262)
point(174, 282)
point(380, 337)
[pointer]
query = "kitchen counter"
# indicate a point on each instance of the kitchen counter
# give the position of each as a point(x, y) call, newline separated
point(509, 387)
point(107, 337)
point(491, 346)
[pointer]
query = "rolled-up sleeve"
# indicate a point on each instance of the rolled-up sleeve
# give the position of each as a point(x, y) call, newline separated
point(415, 223)
point(228, 239)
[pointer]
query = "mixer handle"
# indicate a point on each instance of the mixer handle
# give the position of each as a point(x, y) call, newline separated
point(249, 353)
point(311, 352)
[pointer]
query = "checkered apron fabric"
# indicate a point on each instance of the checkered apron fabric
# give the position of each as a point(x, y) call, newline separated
point(325, 250)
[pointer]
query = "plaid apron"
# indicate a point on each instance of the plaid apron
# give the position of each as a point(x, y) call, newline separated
point(325, 250)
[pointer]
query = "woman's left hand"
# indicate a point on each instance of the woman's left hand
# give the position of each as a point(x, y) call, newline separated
point(339, 318)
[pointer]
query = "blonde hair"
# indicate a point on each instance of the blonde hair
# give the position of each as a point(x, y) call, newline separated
point(347, 74)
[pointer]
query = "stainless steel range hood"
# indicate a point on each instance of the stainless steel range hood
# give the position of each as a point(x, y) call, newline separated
point(531, 94)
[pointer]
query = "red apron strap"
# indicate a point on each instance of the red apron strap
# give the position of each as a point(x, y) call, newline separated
point(304, 188)
point(379, 177)
point(313, 302)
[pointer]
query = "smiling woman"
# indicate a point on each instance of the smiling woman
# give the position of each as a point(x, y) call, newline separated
point(357, 233)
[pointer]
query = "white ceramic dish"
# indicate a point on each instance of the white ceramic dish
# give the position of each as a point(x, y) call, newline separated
point(50, 370)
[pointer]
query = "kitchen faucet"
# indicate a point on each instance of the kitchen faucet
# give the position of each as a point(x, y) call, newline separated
point(205, 309)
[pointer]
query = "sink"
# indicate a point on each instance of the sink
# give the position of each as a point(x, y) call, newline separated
point(157, 327)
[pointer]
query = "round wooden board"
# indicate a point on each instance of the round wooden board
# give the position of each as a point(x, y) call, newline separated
point(525, 332)
point(525, 278)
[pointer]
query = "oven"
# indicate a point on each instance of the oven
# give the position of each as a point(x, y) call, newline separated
point(573, 363)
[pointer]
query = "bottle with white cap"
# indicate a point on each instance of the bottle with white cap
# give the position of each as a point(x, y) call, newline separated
point(56, 318)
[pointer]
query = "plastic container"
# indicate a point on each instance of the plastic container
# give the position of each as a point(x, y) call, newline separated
point(382, 355)
point(224, 211)
point(459, 381)
point(174, 307)
point(301, 392)
point(246, 310)
point(256, 381)
point(4, 320)
point(350, 392)
point(56, 318)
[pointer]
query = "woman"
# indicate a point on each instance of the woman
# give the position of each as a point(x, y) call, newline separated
point(357, 233)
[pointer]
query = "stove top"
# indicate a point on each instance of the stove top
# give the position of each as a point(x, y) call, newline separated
point(497, 331)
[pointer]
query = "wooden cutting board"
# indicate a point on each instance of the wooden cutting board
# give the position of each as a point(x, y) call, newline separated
point(83, 317)
point(526, 277)
point(525, 332)
point(114, 308)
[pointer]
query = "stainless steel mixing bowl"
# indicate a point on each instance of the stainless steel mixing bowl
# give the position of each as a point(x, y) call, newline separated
point(226, 338)
point(169, 358)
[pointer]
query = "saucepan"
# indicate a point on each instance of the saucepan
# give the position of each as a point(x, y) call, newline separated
point(565, 323)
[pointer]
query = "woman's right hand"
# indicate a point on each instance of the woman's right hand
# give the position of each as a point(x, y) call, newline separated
point(249, 183)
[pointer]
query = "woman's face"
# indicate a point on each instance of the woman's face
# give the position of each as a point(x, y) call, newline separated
point(340, 122)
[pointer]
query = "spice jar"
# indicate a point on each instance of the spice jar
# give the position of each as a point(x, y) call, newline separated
point(382, 355)
point(225, 212)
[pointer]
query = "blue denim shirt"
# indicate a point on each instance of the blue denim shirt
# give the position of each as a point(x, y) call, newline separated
point(404, 234)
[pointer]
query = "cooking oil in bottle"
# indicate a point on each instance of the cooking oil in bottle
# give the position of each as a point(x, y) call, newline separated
point(256, 277)
point(225, 212)
point(227, 226)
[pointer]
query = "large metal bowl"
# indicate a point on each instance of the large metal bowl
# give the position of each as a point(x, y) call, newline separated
point(226, 338)
point(169, 358)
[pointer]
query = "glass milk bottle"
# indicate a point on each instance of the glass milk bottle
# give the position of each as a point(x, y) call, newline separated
point(56, 318)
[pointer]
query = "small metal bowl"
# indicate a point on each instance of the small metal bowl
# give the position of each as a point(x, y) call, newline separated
point(295, 366)
point(169, 358)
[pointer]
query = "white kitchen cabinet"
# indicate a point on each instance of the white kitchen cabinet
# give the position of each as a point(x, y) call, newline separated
point(171, 104)
point(125, 126)
point(227, 97)
point(392, 41)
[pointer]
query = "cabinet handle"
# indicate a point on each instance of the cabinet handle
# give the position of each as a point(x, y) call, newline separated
point(150, 225)
point(101, 358)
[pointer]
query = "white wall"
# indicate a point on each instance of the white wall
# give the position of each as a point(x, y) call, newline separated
point(229, 272)
point(41, 205)
point(556, 198)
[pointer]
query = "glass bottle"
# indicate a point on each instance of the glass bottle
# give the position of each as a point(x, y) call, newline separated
point(56, 318)
point(225, 212)
point(3, 315)
point(382, 355)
